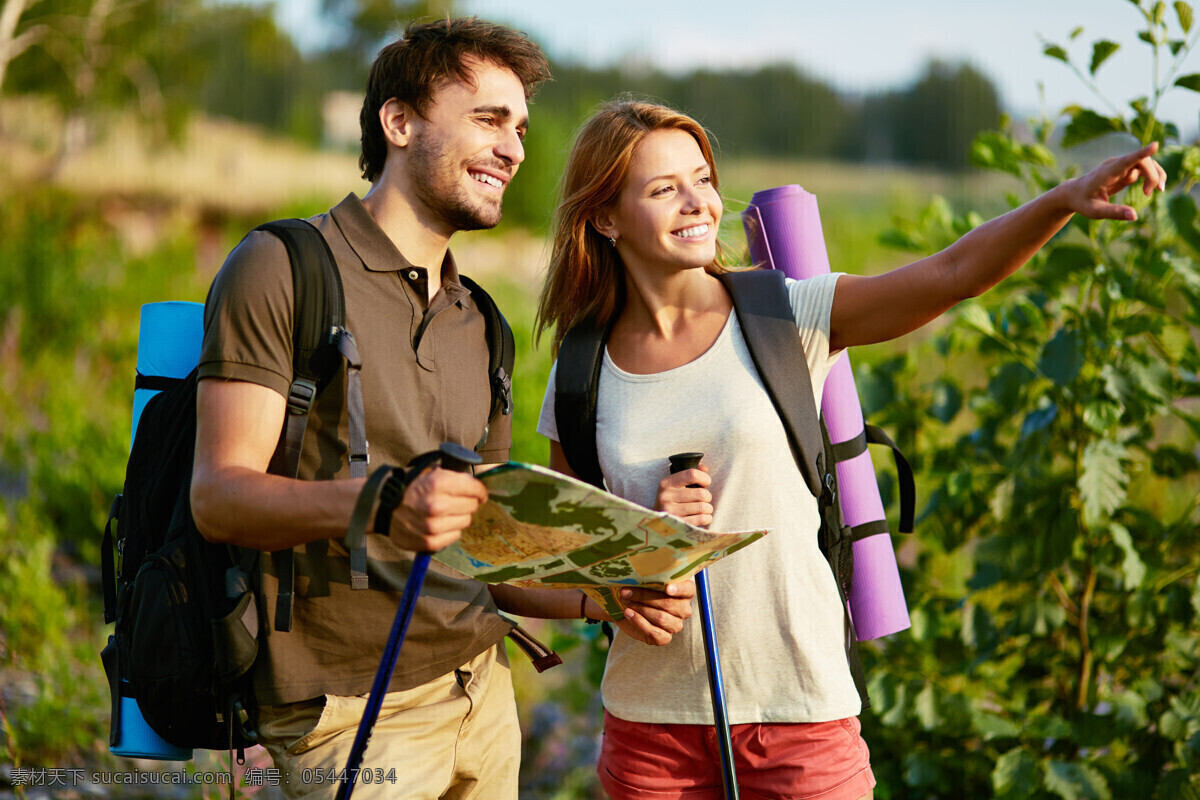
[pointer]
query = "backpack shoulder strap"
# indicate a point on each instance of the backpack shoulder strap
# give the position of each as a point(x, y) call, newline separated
point(577, 378)
point(501, 350)
point(768, 325)
point(319, 340)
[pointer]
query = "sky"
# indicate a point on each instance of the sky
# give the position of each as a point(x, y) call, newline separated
point(856, 45)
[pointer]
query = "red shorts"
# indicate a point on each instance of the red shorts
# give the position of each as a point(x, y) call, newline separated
point(774, 761)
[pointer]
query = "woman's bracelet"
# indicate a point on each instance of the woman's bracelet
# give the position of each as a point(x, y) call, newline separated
point(583, 611)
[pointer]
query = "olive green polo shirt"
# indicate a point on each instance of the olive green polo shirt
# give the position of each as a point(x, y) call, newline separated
point(424, 381)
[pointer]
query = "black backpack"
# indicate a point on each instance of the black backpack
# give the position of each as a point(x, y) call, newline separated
point(186, 631)
point(760, 300)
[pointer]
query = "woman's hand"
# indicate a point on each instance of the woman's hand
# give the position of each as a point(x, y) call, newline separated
point(653, 617)
point(685, 494)
point(1089, 194)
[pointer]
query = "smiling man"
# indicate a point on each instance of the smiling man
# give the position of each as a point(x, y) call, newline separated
point(442, 127)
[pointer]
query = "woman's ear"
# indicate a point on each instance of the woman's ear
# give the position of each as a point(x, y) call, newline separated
point(602, 221)
point(396, 120)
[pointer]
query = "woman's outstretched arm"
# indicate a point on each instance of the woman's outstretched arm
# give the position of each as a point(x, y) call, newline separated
point(875, 309)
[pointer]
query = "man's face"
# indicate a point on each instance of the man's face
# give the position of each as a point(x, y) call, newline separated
point(468, 147)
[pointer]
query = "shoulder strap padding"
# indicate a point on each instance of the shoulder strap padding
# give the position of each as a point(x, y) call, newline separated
point(501, 349)
point(319, 308)
point(768, 325)
point(576, 382)
point(318, 325)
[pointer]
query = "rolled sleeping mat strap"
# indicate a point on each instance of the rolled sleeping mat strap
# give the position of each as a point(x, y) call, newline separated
point(783, 227)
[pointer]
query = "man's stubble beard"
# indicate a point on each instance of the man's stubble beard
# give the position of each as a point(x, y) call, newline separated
point(437, 184)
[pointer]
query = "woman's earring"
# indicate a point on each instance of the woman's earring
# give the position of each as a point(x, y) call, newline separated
point(612, 240)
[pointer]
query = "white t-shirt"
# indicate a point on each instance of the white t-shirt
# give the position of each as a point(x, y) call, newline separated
point(777, 613)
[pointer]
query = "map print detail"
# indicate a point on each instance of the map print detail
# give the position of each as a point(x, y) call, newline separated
point(540, 528)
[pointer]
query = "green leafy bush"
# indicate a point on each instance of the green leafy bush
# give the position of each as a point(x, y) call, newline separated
point(1055, 583)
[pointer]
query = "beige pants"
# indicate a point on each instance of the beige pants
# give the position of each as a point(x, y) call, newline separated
point(454, 738)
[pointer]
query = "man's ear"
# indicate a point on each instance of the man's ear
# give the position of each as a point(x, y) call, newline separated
point(396, 119)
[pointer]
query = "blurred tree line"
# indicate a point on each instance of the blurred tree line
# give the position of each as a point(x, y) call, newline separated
point(168, 57)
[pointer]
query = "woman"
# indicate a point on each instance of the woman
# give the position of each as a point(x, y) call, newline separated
point(636, 247)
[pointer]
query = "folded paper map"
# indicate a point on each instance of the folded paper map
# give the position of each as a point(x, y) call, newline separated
point(541, 528)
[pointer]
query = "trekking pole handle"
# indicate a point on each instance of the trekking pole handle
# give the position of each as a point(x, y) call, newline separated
point(682, 461)
point(457, 458)
point(716, 684)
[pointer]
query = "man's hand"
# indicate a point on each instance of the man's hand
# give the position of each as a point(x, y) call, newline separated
point(653, 617)
point(437, 506)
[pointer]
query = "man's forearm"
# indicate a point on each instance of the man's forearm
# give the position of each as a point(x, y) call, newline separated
point(267, 512)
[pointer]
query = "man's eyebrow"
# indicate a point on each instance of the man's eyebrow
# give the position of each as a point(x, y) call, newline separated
point(504, 113)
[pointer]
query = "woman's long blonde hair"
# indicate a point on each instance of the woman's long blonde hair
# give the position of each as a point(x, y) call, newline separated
point(586, 279)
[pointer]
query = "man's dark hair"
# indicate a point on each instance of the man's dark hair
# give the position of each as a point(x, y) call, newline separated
point(428, 53)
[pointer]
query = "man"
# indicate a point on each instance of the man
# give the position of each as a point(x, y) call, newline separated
point(443, 122)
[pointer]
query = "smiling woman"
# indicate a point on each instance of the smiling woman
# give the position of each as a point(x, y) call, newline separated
point(635, 255)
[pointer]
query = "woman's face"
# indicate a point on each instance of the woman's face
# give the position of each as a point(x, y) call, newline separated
point(668, 210)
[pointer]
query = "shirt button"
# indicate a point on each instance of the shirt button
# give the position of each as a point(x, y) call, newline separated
point(413, 275)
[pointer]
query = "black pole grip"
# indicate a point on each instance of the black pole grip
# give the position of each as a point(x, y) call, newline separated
point(457, 458)
point(682, 461)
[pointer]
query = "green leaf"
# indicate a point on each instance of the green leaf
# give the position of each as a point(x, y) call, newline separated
point(978, 630)
point(1006, 384)
point(1101, 416)
point(921, 769)
point(1039, 419)
point(1175, 340)
point(975, 315)
point(1178, 784)
point(1042, 616)
point(1062, 357)
point(1015, 774)
point(1072, 781)
point(1184, 12)
point(1118, 385)
point(1066, 261)
point(993, 726)
point(1133, 566)
point(1147, 37)
point(1170, 461)
point(1175, 45)
point(926, 708)
point(1155, 379)
point(1103, 480)
point(1075, 33)
point(1189, 81)
point(1173, 726)
point(1086, 125)
point(1054, 51)
point(1101, 51)
point(946, 401)
point(1160, 12)
point(1130, 710)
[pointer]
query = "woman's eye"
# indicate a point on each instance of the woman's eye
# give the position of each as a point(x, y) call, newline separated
point(661, 190)
point(707, 179)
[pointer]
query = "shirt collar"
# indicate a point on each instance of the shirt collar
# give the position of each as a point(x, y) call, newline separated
point(379, 253)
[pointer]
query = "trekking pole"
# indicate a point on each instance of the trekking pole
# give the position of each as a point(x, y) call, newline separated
point(716, 685)
point(457, 459)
